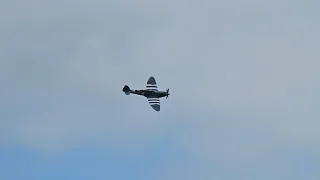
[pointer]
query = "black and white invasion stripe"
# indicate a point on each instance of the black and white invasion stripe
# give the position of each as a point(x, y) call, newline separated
point(152, 87)
point(153, 101)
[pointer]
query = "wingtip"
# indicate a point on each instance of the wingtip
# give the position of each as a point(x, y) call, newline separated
point(156, 107)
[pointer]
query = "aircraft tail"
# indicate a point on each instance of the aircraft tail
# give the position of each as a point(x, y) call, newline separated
point(126, 90)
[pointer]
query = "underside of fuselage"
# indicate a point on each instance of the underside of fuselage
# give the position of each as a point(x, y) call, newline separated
point(148, 93)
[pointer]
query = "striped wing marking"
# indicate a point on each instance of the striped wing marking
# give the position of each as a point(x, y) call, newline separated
point(154, 103)
point(152, 84)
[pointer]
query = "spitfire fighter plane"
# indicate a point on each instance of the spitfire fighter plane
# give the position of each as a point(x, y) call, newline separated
point(151, 93)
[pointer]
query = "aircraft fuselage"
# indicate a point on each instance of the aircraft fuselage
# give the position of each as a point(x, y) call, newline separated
point(149, 93)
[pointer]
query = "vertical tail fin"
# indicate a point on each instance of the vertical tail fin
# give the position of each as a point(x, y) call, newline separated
point(126, 90)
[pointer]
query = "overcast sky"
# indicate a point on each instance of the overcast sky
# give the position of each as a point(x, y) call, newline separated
point(243, 76)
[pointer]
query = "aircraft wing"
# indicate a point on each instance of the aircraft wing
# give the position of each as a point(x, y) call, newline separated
point(152, 84)
point(154, 103)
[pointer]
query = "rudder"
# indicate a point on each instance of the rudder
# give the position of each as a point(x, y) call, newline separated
point(126, 89)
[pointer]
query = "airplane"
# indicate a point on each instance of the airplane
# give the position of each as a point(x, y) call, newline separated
point(151, 93)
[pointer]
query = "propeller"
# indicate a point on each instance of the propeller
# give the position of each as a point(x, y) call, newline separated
point(167, 93)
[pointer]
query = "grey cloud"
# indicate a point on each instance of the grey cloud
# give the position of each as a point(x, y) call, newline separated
point(243, 76)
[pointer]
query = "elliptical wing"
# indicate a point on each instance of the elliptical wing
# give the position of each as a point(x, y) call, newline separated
point(151, 84)
point(154, 103)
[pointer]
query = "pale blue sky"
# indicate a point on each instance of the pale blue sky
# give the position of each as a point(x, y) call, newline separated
point(243, 76)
